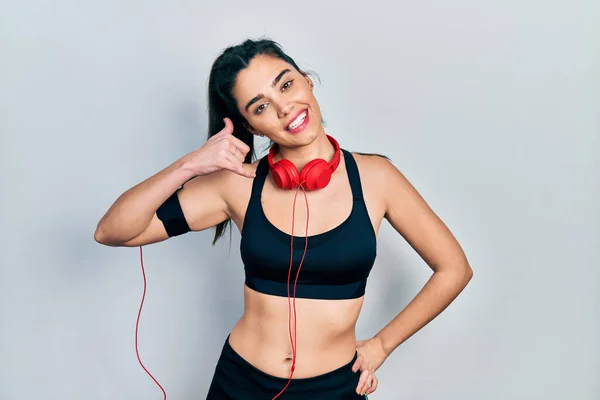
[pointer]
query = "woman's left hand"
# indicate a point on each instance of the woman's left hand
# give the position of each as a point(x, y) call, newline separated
point(370, 357)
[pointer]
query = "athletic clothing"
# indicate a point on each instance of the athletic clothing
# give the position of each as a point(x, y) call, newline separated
point(337, 262)
point(236, 379)
point(336, 266)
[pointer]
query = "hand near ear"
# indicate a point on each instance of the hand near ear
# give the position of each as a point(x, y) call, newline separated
point(221, 151)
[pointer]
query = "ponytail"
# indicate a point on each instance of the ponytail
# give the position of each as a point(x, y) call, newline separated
point(217, 111)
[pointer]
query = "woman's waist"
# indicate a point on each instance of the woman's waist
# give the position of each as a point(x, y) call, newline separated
point(267, 345)
point(242, 377)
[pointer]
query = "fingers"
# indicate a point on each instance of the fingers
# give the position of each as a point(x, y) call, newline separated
point(237, 153)
point(234, 164)
point(231, 144)
point(228, 151)
point(366, 379)
point(373, 387)
point(226, 134)
point(367, 382)
point(243, 147)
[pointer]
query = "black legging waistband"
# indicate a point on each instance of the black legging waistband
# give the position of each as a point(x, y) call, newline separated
point(239, 378)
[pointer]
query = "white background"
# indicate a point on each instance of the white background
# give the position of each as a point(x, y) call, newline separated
point(489, 108)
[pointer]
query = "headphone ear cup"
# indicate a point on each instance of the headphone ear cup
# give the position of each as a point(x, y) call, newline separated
point(316, 174)
point(285, 174)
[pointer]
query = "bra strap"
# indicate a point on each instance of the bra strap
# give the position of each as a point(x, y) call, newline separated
point(353, 175)
point(262, 170)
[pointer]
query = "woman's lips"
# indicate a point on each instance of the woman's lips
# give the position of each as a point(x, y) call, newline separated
point(303, 125)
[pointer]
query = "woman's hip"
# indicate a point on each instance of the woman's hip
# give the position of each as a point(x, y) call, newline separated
point(239, 379)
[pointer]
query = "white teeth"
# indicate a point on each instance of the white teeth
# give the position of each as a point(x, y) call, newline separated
point(297, 122)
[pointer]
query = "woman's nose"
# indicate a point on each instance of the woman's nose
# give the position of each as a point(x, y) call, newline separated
point(285, 108)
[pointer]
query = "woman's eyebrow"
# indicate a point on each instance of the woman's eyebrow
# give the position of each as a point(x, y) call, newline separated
point(275, 81)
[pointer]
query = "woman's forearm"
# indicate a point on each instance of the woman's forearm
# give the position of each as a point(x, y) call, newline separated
point(133, 210)
point(437, 294)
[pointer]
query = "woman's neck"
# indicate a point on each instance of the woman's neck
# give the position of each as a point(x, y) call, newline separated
point(321, 147)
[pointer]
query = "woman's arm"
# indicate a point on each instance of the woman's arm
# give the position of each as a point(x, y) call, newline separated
point(132, 219)
point(411, 216)
point(399, 203)
point(133, 213)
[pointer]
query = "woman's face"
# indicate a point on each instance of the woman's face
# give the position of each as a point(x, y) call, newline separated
point(278, 101)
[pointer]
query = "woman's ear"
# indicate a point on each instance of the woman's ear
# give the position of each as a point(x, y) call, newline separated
point(310, 82)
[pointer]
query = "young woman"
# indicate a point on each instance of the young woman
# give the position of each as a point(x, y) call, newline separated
point(309, 231)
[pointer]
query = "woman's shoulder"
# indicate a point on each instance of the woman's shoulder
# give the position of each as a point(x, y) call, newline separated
point(373, 166)
point(378, 174)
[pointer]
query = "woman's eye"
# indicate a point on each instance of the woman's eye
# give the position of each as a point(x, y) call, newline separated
point(287, 84)
point(259, 109)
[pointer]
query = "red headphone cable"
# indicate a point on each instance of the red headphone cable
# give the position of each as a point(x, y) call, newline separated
point(294, 341)
point(137, 328)
point(293, 338)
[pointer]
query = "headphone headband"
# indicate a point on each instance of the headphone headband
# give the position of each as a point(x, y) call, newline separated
point(315, 175)
point(335, 162)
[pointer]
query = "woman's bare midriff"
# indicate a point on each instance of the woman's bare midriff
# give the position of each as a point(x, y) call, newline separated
point(326, 338)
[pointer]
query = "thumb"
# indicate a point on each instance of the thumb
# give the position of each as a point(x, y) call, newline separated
point(228, 126)
point(357, 364)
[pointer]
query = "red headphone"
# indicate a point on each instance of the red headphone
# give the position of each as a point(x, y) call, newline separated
point(315, 175)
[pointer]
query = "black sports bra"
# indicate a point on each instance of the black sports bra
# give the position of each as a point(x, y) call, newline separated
point(337, 262)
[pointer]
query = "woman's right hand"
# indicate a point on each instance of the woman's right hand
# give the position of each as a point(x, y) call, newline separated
point(221, 151)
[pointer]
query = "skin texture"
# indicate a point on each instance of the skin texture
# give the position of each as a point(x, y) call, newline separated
point(326, 328)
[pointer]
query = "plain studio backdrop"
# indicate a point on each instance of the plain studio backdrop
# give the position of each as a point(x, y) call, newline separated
point(489, 108)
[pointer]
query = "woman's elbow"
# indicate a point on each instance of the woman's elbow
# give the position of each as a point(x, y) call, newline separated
point(101, 237)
